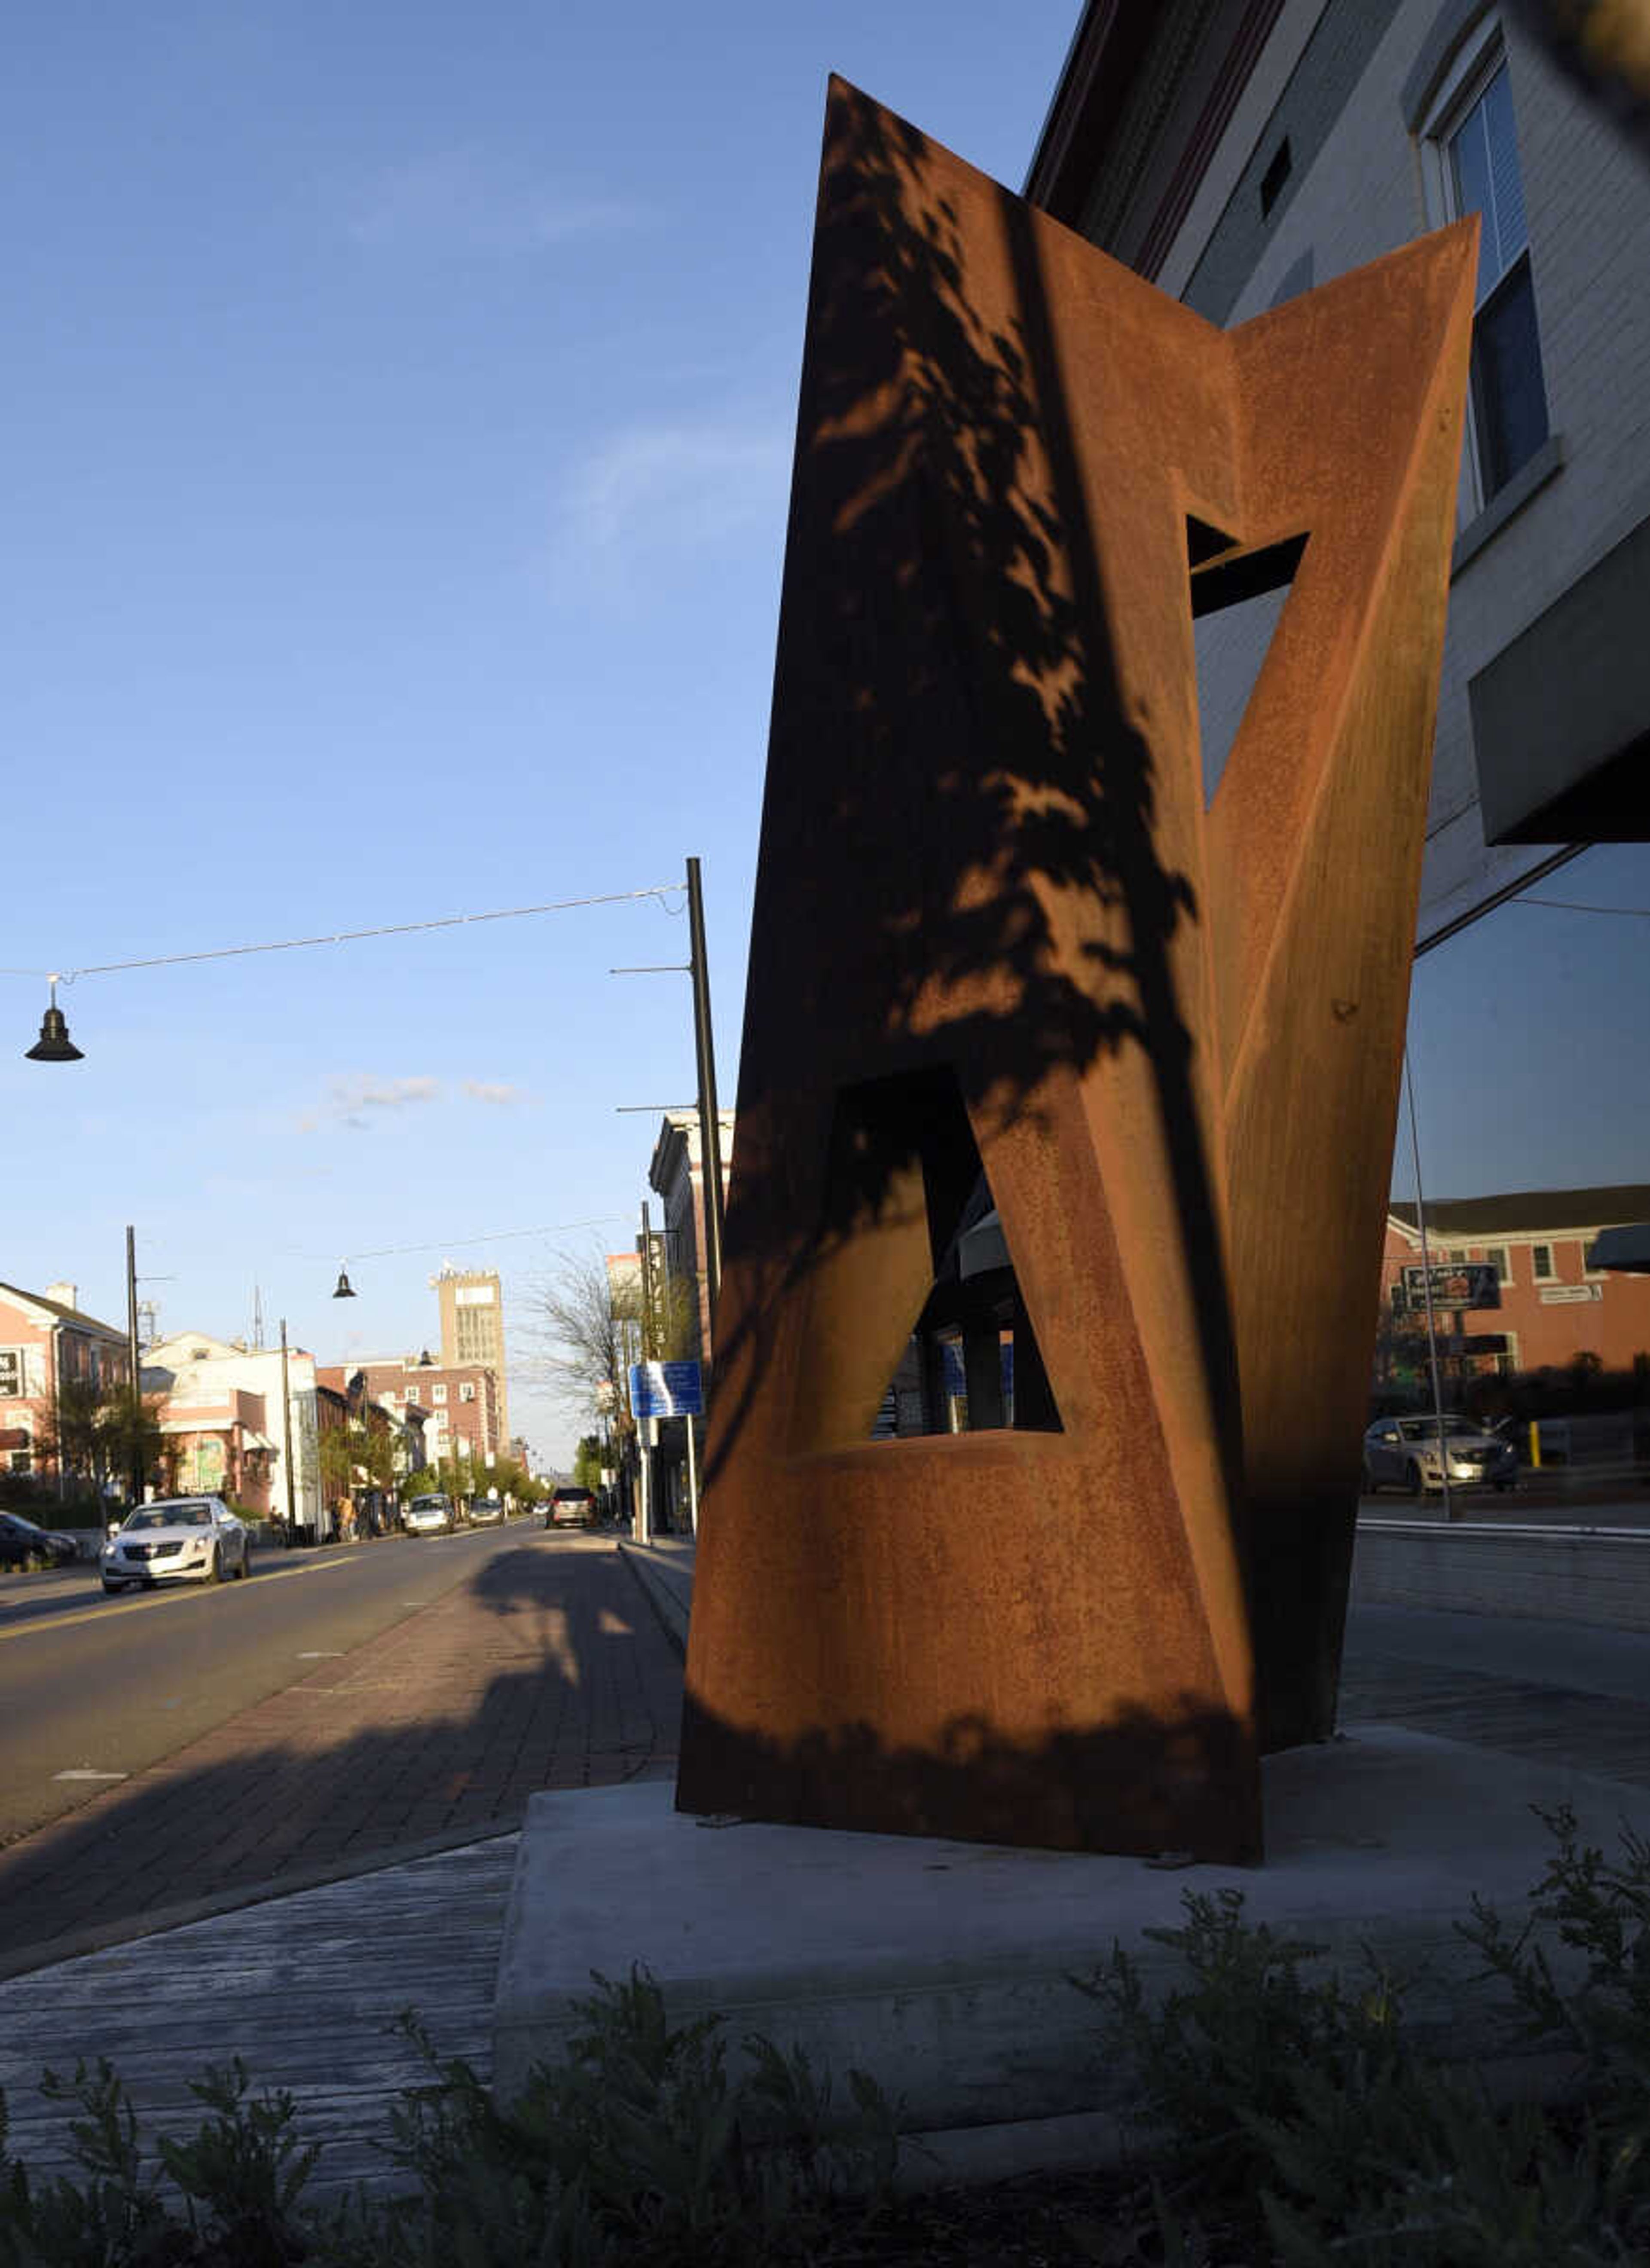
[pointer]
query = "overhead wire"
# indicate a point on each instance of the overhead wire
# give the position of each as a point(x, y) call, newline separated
point(662, 891)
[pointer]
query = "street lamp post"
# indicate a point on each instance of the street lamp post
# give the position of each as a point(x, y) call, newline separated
point(696, 967)
point(135, 1457)
point(709, 1114)
point(286, 1442)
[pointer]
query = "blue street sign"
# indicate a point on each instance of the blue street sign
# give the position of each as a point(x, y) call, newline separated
point(666, 1389)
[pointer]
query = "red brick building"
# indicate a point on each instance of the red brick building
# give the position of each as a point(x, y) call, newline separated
point(1553, 1306)
point(46, 1341)
point(459, 1401)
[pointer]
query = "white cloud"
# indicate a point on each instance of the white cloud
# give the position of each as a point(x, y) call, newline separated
point(657, 492)
point(458, 200)
point(353, 1095)
point(498, 1091)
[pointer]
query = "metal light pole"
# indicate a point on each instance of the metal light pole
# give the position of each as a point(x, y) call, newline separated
point(1426, 1279)
point(286, 1440)
point(135, 1459)
point(696, 967)
point(710, 1115)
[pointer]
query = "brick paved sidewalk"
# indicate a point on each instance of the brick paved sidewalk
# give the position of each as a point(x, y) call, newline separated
point(545, 1670)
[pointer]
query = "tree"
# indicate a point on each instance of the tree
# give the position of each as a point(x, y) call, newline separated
point(93, 1433)
point(67, 1430)
point(591, 1329)
point(588, 1331)
point(337, 1453)
point(130, 1432)
point(588, 1461)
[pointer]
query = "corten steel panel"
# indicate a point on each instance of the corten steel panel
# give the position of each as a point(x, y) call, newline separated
point(989, 885)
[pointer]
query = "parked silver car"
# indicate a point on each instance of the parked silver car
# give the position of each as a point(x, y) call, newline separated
point(191, 1539)
point(1412, 1453)
point(428, 1515)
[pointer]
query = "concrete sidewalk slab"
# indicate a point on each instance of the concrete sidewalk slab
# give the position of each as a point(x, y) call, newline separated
point(664, 1571)
point(943, 1967)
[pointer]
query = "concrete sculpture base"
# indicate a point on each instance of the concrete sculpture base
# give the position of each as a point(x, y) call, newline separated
point(942, 1968)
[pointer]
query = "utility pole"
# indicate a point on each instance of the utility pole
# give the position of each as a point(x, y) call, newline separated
point(645, 1426)
point(286, 1442)
point(709, 1113)
point(135, 1457)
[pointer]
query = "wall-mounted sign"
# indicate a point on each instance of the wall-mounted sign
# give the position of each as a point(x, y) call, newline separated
point(1454, 1284)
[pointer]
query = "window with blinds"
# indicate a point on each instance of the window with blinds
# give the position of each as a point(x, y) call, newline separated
point(1509, 399)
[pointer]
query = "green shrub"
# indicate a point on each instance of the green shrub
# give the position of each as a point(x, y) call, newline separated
point(639, 2147)
point(1296, 2123)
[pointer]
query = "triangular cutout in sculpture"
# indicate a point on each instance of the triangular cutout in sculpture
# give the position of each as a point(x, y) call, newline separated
point(971, 1363)
point(1238, 596)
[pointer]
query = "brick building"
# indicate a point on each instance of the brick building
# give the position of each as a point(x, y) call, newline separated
point(458, 1404)
point(46, 1340)
point(1553, 1306)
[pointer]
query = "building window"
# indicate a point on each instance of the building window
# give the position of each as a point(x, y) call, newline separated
point(438, 1394)
point(11, 1372)
point(1541, 1262)
point(1475, 139)
point(1498, 1258)
point(467, 1391)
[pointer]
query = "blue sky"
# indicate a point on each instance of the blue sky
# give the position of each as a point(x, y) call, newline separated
point(1529, 1040)
point(399, 410)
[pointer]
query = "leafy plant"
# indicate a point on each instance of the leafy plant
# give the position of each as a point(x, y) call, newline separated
point(640, 2146)
point(1296, 2120)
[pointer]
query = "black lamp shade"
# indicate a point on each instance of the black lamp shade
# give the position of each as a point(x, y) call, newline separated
point(53, 1045)
point(346, 1290)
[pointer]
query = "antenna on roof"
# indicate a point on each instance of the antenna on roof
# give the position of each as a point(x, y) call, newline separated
point(257, 1319)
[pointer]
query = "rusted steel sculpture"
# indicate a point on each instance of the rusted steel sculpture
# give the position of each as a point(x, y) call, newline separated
point(996, 927)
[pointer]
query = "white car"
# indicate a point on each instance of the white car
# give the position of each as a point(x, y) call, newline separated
point(187, 1539)
point(428, 1515)
point(1410, 1453)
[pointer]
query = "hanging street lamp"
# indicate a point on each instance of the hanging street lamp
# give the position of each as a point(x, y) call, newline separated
point(53, 1045)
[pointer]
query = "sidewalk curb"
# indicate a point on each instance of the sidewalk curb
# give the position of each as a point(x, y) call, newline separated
point(667, 1608)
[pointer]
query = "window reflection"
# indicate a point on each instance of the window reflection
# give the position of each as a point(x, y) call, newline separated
point(1530, 1062)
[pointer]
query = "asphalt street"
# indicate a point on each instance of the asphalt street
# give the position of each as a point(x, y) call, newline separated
point(95, 1690)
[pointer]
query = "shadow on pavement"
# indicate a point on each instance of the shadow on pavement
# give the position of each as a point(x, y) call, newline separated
point(546, 1670)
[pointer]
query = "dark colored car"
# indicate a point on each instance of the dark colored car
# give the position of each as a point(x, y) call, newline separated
point(21, 1541)
point(572, 1508)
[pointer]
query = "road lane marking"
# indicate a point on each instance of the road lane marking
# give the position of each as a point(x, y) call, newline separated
point(91, 1775)
point(322, 1654)
point(33, 1629)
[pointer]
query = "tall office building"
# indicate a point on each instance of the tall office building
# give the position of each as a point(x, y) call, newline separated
point(473, 1325)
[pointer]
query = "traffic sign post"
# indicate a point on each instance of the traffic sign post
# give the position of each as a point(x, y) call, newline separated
point(671, 1389)
point(666, 1389)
